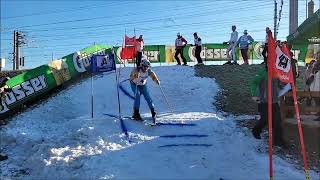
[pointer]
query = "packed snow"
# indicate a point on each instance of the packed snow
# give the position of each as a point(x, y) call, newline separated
point(58, 139)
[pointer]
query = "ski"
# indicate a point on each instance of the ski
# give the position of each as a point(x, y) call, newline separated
point(150, 123)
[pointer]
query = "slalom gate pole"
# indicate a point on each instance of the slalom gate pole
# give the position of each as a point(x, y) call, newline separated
point(136, 91)
point(297, 114)
point(270, 120)
point(91, 96)
point(117, 81)
point(135, 52)
point(165, 97)
point(92, 83)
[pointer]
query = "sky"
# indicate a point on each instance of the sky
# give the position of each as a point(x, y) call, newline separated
point(57, 139)
point(54, 29)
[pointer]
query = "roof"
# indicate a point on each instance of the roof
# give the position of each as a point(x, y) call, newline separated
point(309, 29)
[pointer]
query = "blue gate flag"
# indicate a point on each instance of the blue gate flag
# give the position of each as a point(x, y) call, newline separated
point(103, 63)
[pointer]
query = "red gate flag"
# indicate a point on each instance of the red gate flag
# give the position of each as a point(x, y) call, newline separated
point(279, 60)
point(130, 41)
point(279, 66)
point(129, 49)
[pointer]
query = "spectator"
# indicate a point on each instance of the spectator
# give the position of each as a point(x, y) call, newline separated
point(307, 74)
point(180, 44)
point(139, 48)
point(265, 48)
point(313, 78)
point(244, 41)
point(198, 44)
point(294, 65)
point(138, 81)
point(4, 88)
point(261, 82)
point(232, 46)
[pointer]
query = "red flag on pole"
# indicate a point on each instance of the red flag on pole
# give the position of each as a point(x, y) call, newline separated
point(279, 61)
point(279, 66)
point(129, 49)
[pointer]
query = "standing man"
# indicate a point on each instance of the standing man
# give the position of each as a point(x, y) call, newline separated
point(139, 48)
point(197, 44)
point(259, 92)
point(180, 44)
point(232, 46)
point(244, 41)
point(265, 48)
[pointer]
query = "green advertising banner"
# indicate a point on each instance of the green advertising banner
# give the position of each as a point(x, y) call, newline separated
point(38, 81)
point(210, 52)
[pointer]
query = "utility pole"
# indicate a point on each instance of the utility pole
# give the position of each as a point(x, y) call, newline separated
point(14, 51)
point(306, 9)
point(17, 55)
point(18, 41)
point(275, 20)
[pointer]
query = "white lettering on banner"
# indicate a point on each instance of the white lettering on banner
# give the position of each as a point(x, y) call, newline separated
point(81, 61)
point(10, 98)
point(19, 92)
point(258, 48)
point(23, 90)
point(191, 52)
point(209, 53)
point(86, 61)
point(27, 87)
point(78, 65)
point(42, 79)
point(3, 107)
point(152, 55)
point(282, 62)
point(36, 84)
point(216, 53)
point(223, 53)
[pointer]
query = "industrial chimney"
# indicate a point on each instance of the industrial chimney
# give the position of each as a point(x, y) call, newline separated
point(310, 8)
point(293, 16)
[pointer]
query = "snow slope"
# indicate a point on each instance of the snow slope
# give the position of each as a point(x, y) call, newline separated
point(58, 139)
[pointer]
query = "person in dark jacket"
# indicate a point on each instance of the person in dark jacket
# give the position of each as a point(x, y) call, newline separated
point(265, 48)
point(198, 45)
point(259, 91)
point(180, 44)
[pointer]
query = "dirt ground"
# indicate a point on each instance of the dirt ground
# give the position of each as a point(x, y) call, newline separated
point(235, 98)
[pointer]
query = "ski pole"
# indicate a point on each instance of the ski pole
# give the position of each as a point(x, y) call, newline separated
point(165, 97)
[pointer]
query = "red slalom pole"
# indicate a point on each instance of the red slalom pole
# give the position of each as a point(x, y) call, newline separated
point(270, 120)
point(297, 114)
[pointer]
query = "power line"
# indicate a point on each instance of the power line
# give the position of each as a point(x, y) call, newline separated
point(104, 17)
point(61, 11)
point(77, 20)
point(79, 37)
point(151, 28)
